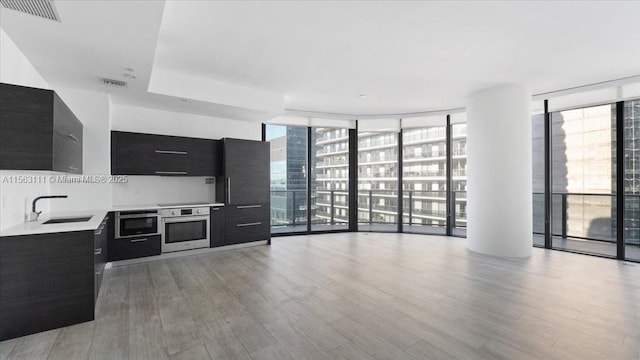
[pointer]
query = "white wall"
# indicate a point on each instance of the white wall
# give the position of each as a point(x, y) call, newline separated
point(15, 68)
point(152, 121)
point(153, 189)
point(15, 198)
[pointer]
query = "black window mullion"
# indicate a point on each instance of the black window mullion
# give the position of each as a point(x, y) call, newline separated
point(399, 207)
point(620, 198)
point(449, 207)
point(547, 178)
point(310, 169)
point(353, 179)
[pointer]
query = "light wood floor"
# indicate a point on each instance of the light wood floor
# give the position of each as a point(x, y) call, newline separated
point(357, 296)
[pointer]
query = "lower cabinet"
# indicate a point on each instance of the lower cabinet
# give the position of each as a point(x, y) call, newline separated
point(46, 282)
point(101, 241)
point(218, 227)
point(247, 223)
point(135, 247)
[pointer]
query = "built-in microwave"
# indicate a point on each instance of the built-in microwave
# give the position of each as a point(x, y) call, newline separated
point(137, 223)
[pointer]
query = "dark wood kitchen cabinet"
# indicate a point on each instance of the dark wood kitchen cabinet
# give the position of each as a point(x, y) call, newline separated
point(134, 247)
point(217, 226)
point(244, 187)
point(149, 154)
point(47, 281)
point(100, 250)
point(38, 131)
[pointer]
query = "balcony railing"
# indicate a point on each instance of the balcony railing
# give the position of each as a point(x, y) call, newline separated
point(380, 207)
point(292, 204)
point(289, 208)
point(587, 216)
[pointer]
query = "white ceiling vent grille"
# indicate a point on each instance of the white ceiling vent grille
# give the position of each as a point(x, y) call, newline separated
point(42, 8)
point(114, 83)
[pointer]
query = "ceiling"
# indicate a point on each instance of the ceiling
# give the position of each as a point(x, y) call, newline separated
point(250, 60)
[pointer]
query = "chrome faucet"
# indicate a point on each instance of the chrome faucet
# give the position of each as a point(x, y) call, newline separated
point(33, 216)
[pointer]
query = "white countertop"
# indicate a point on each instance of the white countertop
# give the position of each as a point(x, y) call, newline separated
point(37, 227)
point(156, 206)
point(97, 215)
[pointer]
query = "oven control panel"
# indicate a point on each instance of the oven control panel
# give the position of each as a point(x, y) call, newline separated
point(177, 212)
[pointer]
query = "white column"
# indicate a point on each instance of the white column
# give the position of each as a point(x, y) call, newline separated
point(499, 175)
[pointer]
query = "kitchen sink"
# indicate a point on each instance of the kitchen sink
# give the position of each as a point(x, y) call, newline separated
point(68, 220)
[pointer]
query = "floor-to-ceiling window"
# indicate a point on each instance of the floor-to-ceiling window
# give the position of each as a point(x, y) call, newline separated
point(632, 179)
point(424, 180)
point(583, 179)
point(288, 177)
point(329, 179)
point(459, 178)
point(378, 181)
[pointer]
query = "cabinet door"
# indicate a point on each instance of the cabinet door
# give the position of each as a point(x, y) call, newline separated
point(67, 154)
point(46, 282)
point(218, 224)
point(65, 122)
point(171, 156)
point(247, 167)
point(204, 157)
point(246, 223)
point(130, 153)
point(25, 128)
point(129, 248)
point(100, 252)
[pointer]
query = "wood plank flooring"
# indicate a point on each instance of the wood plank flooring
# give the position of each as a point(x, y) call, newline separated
point(356, 296)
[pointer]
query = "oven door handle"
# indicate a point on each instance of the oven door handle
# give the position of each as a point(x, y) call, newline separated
point(178, 219)
point(137, 216)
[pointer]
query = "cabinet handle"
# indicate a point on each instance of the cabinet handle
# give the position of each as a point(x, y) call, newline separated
point(229, 190)
point(73, 137)
point(73, 168)
point(138, 240)
point(97, 251)
point(98, 271)
point(171, 172)
point(171, 152)
point(248, 206)
point(249, 224)
point(215, 209)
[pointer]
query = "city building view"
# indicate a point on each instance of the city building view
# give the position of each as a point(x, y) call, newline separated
point(583, 151)
point(423, 180)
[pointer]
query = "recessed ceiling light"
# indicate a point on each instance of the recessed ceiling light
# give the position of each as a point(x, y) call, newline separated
point(362, 96)
point(129, 69)
point(130, 76)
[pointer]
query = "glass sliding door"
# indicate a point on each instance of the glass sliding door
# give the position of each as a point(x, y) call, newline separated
point(583, 180)
point(329, 179)
point(378, 181)
point(424, 181)
point(288, 177)
point(632, 179)
point(459, 179)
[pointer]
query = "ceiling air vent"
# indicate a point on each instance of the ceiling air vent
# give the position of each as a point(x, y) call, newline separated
point(42, 8)
point(114, 83)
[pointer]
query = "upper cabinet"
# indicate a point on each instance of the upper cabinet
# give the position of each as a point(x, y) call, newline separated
point(38, 131)
point(147, 154)
point(246, 171)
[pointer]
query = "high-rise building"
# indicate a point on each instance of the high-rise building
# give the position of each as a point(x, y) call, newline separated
point(424, 176)
point(288, 175)
point(330, 176)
